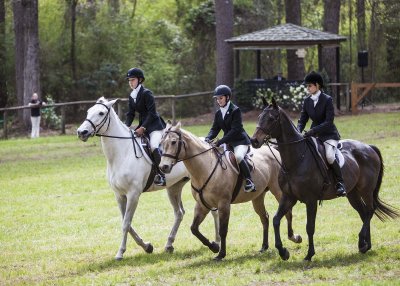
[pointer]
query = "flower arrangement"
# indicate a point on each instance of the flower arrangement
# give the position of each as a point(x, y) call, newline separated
point(291, 98)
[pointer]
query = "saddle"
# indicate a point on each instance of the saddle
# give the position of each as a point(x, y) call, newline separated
point(318, 151)
point(145, 146)
point(231, 159)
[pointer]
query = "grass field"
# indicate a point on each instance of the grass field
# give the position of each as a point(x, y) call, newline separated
point(60, 224)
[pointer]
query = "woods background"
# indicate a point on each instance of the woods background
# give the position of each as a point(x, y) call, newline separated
point(79, 50)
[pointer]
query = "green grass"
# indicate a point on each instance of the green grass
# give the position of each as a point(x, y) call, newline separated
point(60, 224)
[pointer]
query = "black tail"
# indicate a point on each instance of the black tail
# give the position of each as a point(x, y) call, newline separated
point(383, 210)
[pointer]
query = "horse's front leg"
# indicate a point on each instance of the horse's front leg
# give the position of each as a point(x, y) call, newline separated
point(285, 204)
point(259, 207)
point(311, 215)
point(175, 198)
point(200, 212)
point(128, 206)
point(224, 211)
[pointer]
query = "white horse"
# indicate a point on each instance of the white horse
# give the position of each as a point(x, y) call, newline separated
point(128, 170)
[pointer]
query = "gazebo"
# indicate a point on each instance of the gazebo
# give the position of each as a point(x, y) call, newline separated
point(286, 36)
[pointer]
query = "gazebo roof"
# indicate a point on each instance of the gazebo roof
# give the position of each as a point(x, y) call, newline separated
point(286, 36)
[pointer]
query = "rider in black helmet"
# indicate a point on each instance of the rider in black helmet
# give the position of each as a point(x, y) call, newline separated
point(142, 100)
point(319, 107)
point(229, 119)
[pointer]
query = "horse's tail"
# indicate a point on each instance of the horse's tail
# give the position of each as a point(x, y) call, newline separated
point(383, 210)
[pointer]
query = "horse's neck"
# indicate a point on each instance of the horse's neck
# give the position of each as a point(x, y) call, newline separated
point(115, 149)
point(198, 164)
point(289, 150)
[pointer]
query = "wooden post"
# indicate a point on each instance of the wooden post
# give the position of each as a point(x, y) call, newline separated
point(62, 119)
point(119, 108)
point(173, 110)
point(354, 96)
point(5, 125)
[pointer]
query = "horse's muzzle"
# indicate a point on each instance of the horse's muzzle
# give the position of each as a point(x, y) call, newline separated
point(83, 135)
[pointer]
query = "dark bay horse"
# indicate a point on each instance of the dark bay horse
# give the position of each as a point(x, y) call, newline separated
point(214, 182)
point(302, 179)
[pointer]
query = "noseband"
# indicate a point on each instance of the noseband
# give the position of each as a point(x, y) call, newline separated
point(96, 128)
point(180, 143)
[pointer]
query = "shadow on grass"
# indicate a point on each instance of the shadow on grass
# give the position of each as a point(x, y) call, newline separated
point(203, 258)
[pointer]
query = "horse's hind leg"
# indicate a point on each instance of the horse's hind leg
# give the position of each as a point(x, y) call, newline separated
point(175, 198)
point(259, 207)
point(311, 215)
point(200, 213)
point(216, 226)
point(364, 237)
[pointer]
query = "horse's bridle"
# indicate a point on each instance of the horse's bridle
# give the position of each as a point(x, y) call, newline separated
point(178, 151)
point(96, 128)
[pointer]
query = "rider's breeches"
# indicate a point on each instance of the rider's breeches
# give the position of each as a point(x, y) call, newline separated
point(155, 139)
point(330, 150)
point(240, 151)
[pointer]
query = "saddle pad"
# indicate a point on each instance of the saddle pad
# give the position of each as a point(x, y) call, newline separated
point(338, 153)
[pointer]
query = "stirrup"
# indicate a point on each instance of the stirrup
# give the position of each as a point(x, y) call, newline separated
point(249, 187)
point(159, 180)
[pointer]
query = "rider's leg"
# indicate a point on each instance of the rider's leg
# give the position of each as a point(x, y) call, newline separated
point(240, 152)
point(155, 138)
point(330, 151)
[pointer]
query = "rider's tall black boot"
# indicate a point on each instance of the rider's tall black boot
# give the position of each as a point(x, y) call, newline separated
point(244, 169)
point(159, 178)
point(340, 188)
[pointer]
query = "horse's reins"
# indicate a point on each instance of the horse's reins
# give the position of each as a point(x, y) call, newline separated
point(175, 157)
point(96, 129)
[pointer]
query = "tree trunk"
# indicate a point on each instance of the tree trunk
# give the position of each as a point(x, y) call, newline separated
point(361, 30)
point(31, 58)
point(19, 46)
point(295, 64)
point(392, 40)
point(3, 81)
point(73, 42)
point(224, 30)
point(331, 25)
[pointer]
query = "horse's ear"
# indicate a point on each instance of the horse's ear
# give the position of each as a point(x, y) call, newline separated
point(274, 105)
point(265, 102)
point(169, 122)
point(178, 125)
point(101, 99)
point(112, 102)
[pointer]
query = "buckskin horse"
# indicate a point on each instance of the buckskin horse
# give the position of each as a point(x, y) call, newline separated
point(130, 173)
point(213, 182)
point(302, 177)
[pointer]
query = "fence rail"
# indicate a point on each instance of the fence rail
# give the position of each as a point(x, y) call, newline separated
point(62, 106)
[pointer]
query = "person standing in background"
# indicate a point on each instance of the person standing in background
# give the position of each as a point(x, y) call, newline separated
point(35, 114)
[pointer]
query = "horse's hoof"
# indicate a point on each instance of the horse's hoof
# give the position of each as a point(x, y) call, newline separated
point(149, 248)
point(169, 249)
point(284, 254)
point(214, 247)
point(118, 258)
point(364, 248)
point(218, 258)
point(263, 248)
point(296, 238)
point(309, 256)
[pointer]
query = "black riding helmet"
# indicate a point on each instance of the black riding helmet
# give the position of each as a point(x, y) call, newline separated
point(222, 90)
point(314, 78)
point(135, 72)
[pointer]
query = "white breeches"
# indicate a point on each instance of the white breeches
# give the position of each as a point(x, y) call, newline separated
point(155, 139)
point(35, 120)
point(240, 151)
point(330, 150)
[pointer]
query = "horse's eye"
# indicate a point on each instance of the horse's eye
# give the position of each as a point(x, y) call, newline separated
point(101, 113)
point(173, 142)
